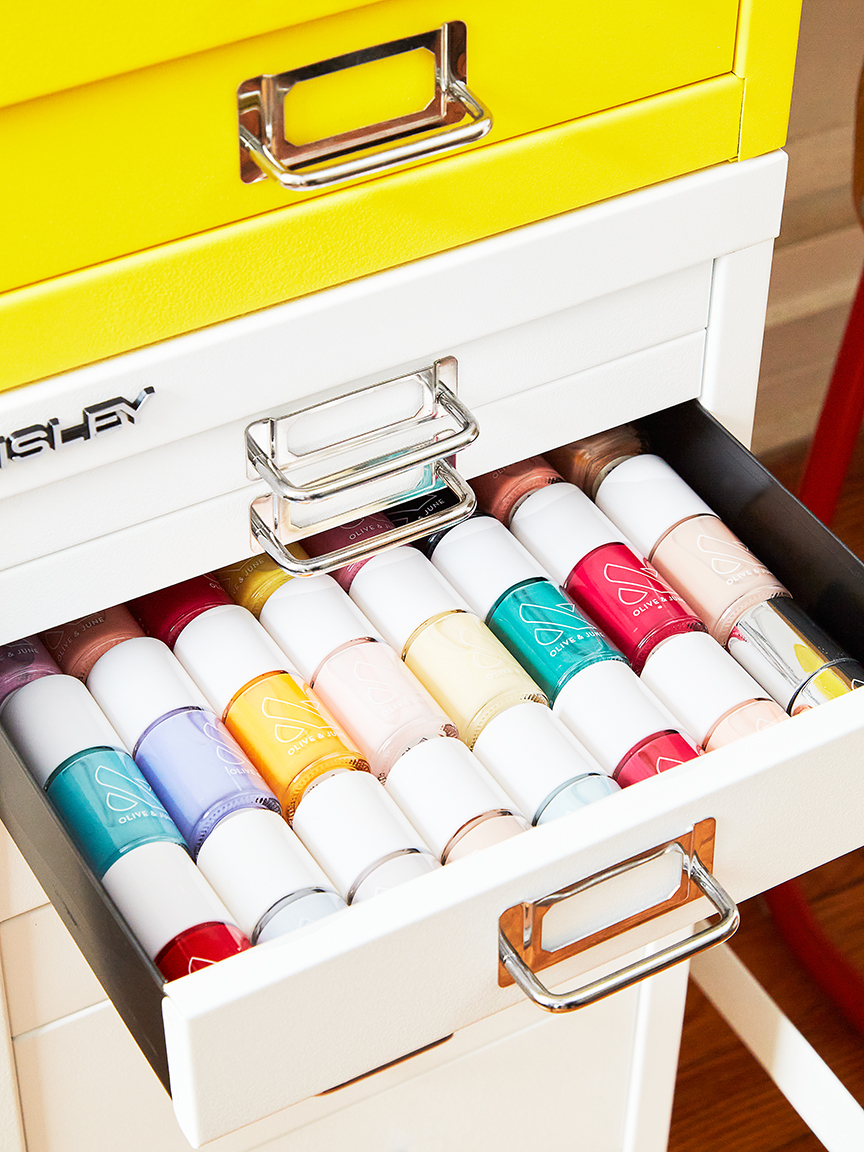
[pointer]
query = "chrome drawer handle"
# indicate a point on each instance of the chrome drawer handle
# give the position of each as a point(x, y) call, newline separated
point(512, 956)
point(265, 151)
point(404, 534)
point(392, 428)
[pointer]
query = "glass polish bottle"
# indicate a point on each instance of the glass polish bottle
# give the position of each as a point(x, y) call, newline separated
point(564, 653)
point(687, 543)
point(250, 583)
point(501, 492)
point(78, 644)
point(116, 821)
point(708, 691)
point(248, 682)
point(616, 588)
point(229, 818)
point(450, 651)
point(250, 685)
point(587, 462)
point(742, 603)
point(390, 715)
point(22, 661)
point(342, 536)
point(357, 677)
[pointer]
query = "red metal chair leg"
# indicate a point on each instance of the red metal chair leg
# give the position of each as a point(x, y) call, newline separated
point(840, 420)
point(827, 966)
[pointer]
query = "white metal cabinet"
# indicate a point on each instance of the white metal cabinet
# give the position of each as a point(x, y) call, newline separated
point(560, 329)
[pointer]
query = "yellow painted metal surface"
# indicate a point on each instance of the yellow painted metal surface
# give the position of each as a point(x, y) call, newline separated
point(125, 219)
point(72, 42)
point(765, 59)
point(140, 159)
point(178, 287)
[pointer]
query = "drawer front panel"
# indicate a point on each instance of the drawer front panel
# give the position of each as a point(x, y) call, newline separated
point(46, 975)
point(62, 585)
point(19, 888)
point(493, 369)
point(70, 1104)
point(170, 175)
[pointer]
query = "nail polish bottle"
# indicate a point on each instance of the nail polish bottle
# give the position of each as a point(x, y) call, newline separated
point(77, 645)
point(22, 661)
point(686, 542)
point(230, 820)
point(116, 821)
point(708, 691)
point(342, 536)
point(616, 588)
point(359, 679)
point(447, 795)
point(539, 762)
point(423, 506)
point(166, 612)
point(389, 714)
point(251, 582)
point(791, 656)
point(452, 653)
point(248, 681)
point(501, 492)
point(743, 604)
point(507, 587)
point(360, 837)
point(587, 462)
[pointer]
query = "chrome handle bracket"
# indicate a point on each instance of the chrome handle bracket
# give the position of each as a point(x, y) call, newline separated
point(521, 953)
point(398, 438)
point(453, 118)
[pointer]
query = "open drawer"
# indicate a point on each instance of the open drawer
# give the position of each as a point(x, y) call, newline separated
point(276, 1025)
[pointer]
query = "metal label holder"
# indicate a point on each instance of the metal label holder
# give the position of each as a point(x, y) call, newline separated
point(265, 150)
point(520, 928)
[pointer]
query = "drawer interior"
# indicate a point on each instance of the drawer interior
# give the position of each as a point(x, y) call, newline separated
point(413, 966)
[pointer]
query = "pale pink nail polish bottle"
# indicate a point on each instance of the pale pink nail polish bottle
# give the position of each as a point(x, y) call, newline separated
point(687, 543)
point(357, 677)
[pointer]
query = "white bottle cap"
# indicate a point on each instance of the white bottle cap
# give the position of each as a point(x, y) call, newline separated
point(482, 560)
point(138, 682)
point(698, 681)
point(255, 863)
point(610, 710)
point(559, 526)
point(532, 755)
point(161, 894)
point(400, 590)
point(645, 498)
point(441, 787)
point(311, 618)
point(51, 719)
point(224, 649)
point(352, 827)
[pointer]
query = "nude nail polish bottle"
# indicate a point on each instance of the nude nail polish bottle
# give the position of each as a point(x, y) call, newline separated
point(686, 542)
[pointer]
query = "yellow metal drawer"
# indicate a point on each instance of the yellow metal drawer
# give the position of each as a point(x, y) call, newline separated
point(152, 155)
point(144, 228)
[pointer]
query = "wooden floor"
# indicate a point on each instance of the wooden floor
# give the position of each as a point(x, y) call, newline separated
point(724, 1101)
